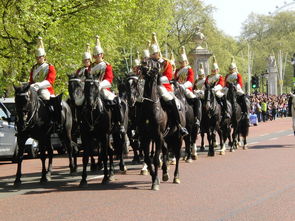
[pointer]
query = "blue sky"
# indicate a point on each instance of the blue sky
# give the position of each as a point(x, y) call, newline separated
point(230, 14)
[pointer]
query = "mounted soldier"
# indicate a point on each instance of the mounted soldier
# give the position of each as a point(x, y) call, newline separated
point(103, 72)
point(236, 79)
point(42, 78)
point(216, 81)
point(185, 77)
point(136, 66)
point(199, 85)
point(86, 60)
point(165, 89)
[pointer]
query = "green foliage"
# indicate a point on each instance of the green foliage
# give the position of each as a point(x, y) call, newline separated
point(124, 26)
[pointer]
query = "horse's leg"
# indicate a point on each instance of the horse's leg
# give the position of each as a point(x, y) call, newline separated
point(86, 153)
point(222, 144)
point(120, 146)
point(177, 148)
point(165, 176)
point(111, 176)
point(193, 144)
point(67, 143)
point(145, 144)
point(50, 157)
point(43, 159)
point(202, 148)
point(188, 151)
point(210, 141)
point(158, 147)
point(19, 158)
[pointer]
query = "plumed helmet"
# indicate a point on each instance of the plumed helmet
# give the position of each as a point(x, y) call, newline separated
point(172, 59)
point(97, 49)
point(137, 60)
point(232, 64)
point(87, 54)
point(183, 56)
point(201, 71)
point(155, 48)
point(146, 52)
point(40, 51)
point(214, 64)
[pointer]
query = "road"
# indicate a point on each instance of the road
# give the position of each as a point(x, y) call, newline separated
point(254, 184)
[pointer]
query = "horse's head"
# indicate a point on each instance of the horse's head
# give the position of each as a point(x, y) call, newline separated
point(151, 73)
point(232, 92)
point(179, 91)
point(26, 100)
point(150, 69)
point(131, 84)
point(76, 89)
point(210, 100)
point(92, 94)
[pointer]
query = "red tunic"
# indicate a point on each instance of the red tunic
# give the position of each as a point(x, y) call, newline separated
point(51, 75)
point(238, 78)
point(211, 81)
point(168, 72)
point(183, 75)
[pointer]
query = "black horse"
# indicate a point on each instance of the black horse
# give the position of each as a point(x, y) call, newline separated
point(34, 120)
point(192, 128)
point(130, 84)
point(212, 120)
point(96, 126)
point(240, 123)
point(153, 124)
point(76, 86)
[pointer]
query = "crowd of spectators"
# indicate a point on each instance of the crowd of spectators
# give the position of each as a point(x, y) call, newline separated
point(265, 108)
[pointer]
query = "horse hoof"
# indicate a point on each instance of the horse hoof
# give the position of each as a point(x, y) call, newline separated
point(73, 170)
point(105, 180)
point(155, 187)
point(202, 149)
point(245, 147)
point(194, 157)
point(43, 180)
point(176, 180)
point(83, 184)
point(189, 160)
point(165, 177)
point(172, 162)
point(222, 152)
point(17, 183)
point(211, 154)
point(48, 177)
point(144, 172)
point(111, 178)
point(232, 150)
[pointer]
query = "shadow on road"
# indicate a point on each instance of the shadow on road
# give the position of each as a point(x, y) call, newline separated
point(271, 146)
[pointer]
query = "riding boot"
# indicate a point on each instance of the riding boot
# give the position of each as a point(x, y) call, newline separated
point(224, 107)
point(119, 114)
point(176, 118)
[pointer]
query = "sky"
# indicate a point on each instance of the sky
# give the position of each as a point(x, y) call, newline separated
point(230, 14)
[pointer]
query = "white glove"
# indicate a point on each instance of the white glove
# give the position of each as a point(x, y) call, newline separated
point(35, 86)
point(183, 86)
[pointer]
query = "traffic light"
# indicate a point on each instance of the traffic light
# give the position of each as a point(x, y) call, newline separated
point(254, 82)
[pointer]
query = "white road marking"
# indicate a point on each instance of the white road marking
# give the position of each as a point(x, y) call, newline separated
point(290, 135)
point(262, 135)
point(275, 138)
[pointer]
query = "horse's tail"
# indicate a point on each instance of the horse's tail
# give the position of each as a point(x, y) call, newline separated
point(244, 127)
